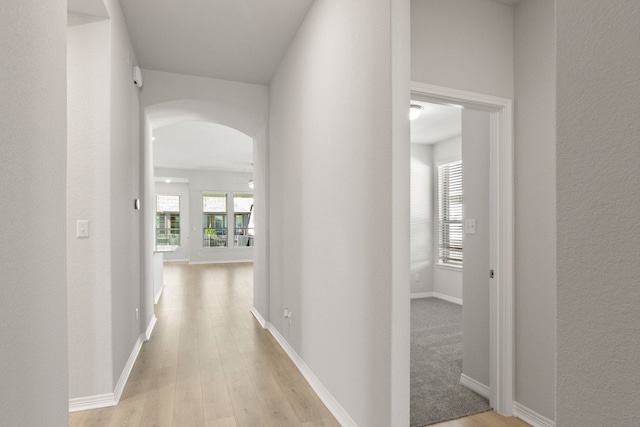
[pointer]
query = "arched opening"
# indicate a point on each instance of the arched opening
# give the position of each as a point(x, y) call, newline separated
point(181, 139)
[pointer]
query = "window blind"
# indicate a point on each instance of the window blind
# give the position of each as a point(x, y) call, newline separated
point(450, 213)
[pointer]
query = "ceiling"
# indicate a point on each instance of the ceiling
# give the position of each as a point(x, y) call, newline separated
point(202, 146)
point(436, 123)
point(240, 40)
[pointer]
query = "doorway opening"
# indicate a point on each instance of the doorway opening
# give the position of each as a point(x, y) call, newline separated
point(485, 228)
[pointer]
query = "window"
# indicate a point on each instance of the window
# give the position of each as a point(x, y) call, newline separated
point(450, 214)
point(167, 221)
point(243, 219)
point(214, 220)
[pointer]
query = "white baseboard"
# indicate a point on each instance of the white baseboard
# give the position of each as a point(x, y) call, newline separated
point(531, 417)
point(239, 261)
point(158, 294)
point(448, 298)
point(152, 324)
point(109, 399)
point(327, 398)
point(476, 386)
point(259, 317)
point(92, 402)
point(124, 376)
point(422, 295)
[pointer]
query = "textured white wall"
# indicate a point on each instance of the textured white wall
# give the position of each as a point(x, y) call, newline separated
point(475, 275)
point(33, 296)
point(598, 212)
point(209, 181)
point(422, 218)
point(535, 206)
point(89, 198)
point(125, 187)
point(333, 267)
point(103, 178)
point(463, 44)
point(445, 281)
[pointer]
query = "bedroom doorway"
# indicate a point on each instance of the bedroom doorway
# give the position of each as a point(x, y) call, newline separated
point(497, 382)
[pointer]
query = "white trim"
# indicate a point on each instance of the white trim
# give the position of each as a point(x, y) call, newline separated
point(327, 398)
point(259, 317)
point(473, 385)
point(149, 331)
point(502, 232)
point(110, 399)
point(447, 298)
point(422, 295)
point(158, 294)
point(222, 262)
point(92, 402)
point(124, 376)
point(531, 417)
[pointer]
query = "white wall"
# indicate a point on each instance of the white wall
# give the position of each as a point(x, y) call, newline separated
point(331, 179)
point(125, 187)
point(476, 137)
point(210, 181)
point(33, 300)
point(422, 218)
point(535, 206)
point(598, 206)
point(484, 43)
point(88, 198)
point(182, 190)
point(103, 177)
point(463, 44)
point(168, 98)
point(446, 281)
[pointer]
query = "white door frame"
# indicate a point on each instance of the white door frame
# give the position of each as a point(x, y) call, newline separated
point(502, 232)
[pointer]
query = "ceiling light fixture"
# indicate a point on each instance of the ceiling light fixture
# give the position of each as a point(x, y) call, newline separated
point(168, 181)
point(251, 184)
point(414, 111)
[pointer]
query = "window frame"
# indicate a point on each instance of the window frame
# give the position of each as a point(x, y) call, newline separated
point(205, 235)
point(450, 250)
point(179, 221)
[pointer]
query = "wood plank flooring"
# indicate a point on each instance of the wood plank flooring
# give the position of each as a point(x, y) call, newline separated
point(210, 364)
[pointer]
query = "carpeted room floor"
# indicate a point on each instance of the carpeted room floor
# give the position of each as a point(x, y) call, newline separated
point(436, 365)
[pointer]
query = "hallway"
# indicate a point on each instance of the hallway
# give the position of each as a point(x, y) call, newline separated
point(209, 363)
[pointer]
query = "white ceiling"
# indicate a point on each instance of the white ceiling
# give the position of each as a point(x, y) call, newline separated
point(436, 123)
point(240, 40)
point(202, 146)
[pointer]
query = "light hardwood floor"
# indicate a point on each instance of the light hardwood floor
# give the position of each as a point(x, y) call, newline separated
point(209, 363)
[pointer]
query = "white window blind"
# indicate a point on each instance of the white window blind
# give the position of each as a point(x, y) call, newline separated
point(450, 213)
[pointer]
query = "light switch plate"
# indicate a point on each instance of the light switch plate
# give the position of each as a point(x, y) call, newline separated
point(82, 228)
point(470, 226)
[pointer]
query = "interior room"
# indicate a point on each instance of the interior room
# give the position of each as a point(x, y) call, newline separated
point(449, 250)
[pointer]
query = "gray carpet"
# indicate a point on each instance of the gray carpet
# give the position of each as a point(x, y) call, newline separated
point(436, 364)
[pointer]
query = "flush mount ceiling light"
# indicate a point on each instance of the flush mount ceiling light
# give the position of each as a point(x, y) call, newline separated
point(414, 111)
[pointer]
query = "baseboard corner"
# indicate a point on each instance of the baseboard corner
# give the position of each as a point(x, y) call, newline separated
point(448, 298)
point(98, 401)
point(475, 386)
point(341, 415)
point(531, 417)
point(419, 295)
